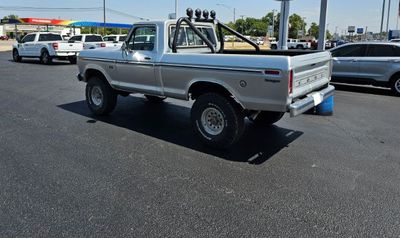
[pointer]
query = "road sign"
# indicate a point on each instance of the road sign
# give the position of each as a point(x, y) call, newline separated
point(360, 31)
point(351, 29)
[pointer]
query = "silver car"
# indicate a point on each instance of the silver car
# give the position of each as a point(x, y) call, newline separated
point(374, 63)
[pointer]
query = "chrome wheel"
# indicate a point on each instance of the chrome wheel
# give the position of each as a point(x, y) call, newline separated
point(97, 96)
point(397, 85)
point(212, 121)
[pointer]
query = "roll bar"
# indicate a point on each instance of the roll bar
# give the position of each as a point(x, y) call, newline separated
point(220, 26)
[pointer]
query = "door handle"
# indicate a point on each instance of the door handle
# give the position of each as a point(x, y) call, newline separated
point(147, 58)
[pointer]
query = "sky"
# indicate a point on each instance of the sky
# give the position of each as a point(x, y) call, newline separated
point(341, 13)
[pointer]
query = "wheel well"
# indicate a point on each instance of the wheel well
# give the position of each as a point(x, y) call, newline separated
point(199, 88)
point(43, 50)
point(95, 73)
point(394, 77)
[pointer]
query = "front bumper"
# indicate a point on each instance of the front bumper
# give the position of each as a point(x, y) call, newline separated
point(313, 99)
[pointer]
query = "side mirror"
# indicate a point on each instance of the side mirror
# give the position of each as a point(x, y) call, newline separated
point(115, 42)
point(123, 47)
point(19, 40)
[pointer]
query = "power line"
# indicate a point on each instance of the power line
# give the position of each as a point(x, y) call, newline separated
point(69, 9)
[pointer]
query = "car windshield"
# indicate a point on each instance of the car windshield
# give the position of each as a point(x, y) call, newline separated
point(93, 38)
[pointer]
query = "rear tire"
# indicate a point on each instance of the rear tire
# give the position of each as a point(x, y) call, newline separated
point(72, 59)
point(155, 99)
point(300, 47)
point(267, 118)
point(16, 56)
point(218, 121)
point(395, 85)
point(100, 97)
point(274, 47)
point(45, 58)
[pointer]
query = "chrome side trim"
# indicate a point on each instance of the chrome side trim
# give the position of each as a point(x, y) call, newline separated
point(247, 70)
point(98, 59)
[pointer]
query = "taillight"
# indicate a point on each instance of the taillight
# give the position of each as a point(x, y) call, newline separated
point(272, 72)
point(291, 82)
point(55, 46)
point(103, 45)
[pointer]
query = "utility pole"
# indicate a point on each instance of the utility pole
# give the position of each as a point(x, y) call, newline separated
point(388, 20)
point(322, 25)
point(104, 17)
point(234, 15)
point(284, 24)
point(383, 18)
point(176, 8)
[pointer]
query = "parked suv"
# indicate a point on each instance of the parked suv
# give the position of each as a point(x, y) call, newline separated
point(374, 63)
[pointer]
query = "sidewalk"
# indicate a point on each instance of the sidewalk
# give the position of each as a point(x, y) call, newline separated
point(6, 45)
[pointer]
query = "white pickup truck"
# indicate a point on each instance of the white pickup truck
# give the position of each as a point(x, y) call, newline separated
point(115, 40)
point(186, 60)
point(90, 41)
point(45, 46)
point(293, 44)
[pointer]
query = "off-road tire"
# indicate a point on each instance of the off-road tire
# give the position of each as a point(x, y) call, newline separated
point(231, 116)
point(108, 100)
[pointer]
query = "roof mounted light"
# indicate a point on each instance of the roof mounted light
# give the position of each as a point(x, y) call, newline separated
point(198, 13)
point(213, 14)
point(189, 13)
point(206, 14)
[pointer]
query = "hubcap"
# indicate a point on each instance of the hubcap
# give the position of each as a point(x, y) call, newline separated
point(397, 85)
point(97, 96)
point(212, 121)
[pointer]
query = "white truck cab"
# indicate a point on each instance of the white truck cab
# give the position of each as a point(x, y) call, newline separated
point(90, 41)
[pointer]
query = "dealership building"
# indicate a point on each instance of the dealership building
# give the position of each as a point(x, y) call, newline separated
point(20, 26)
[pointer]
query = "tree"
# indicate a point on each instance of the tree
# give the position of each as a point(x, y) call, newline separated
point(296, 24)
point(314, 30)
point(11, 17)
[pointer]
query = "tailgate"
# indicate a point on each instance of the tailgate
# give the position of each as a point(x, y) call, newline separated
point(69, 47)
point(310, 72)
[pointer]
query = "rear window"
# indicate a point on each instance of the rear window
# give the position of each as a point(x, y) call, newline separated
point(188, 38)
point(383, 51)
point(93, 38)
point(350, 51)
point(110, 38)
point(50, 37)
point(76, 38)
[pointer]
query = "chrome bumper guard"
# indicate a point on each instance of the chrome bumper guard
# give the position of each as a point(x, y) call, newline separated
point(313, 99)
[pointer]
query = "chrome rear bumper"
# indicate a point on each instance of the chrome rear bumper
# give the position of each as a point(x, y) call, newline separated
point(313, 99)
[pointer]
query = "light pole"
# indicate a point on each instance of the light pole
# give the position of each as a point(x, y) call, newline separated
point(383, 17)
point(104, 17)
point(322, 25)
point(230, 8)
point(176, 8)
point(273, 23)
point(284, 24)
point(388, 20)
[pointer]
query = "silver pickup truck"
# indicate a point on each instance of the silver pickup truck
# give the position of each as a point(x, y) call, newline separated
point(191, 63)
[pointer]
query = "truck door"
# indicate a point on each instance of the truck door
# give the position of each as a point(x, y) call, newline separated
point(136, 71)
point(26, 47)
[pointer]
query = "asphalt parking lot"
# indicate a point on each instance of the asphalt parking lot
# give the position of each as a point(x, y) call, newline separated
point(141, 172)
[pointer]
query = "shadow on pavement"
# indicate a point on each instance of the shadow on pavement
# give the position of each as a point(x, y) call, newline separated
point(36, 61)
point(363, 89)
point(171, 122)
